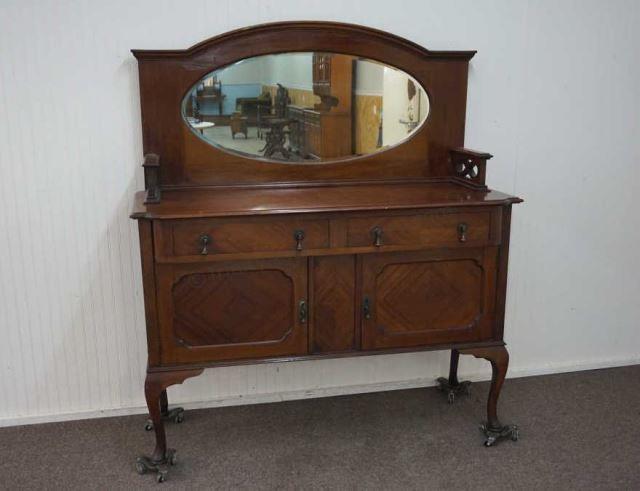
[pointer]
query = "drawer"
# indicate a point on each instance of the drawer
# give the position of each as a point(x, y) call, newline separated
point(203, 236)
point(431, 230)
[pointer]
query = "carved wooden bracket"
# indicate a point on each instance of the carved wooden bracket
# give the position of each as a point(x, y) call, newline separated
point(151, 166)
point(470, 165)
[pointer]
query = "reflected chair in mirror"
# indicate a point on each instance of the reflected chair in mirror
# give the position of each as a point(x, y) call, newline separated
point(238, 124)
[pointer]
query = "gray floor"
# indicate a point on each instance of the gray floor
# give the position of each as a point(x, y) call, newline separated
point(578, 431)
point(222, 136)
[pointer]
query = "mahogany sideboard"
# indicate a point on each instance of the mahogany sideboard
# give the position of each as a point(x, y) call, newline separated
point(249, 260)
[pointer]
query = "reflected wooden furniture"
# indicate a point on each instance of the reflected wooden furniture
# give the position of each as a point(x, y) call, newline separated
point(248, 106)
point(247, 261)
point(211, 94)
point(329, 129)
point(238, 124)
point(296, 132)
point(325, 131)
point(320, 135)
point(332, 77)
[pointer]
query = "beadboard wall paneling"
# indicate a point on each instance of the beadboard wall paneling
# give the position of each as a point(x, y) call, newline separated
point(552, 92)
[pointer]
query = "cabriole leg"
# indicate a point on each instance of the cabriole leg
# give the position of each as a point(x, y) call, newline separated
point(176, 415)
point(493, 429)
point(155, 393)
point(451, 386)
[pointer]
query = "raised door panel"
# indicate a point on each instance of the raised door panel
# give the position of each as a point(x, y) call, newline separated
point(333, 312)
point(422, 299)
point(232, 310)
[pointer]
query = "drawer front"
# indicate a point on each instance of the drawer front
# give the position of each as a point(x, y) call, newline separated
point(425, 230)
point(197, 237)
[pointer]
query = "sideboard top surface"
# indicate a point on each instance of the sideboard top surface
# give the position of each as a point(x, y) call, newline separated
point(218, 202)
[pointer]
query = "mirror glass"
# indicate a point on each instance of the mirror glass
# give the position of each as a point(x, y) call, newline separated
point(305, 107)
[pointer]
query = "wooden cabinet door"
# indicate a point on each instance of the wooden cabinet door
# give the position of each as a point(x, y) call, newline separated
point(428, 298)
point(232, 310)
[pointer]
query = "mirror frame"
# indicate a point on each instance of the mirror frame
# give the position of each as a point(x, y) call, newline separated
point(166, 76)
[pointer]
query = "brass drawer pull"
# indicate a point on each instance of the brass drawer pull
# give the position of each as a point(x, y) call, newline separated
point(302, 312)
point(205, 240)
point(462, 232)
point(298, 236)
point(377, 236)
point(366, 308)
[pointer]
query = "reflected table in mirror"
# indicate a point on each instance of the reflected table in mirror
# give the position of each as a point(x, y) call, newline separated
point(276, 137)
point(201, 126)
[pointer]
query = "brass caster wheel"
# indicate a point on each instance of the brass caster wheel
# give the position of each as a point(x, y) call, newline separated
point(489, 442)
point(179, 417)
point(515, 434)
point(453, 390)
point(495, 434)
point(161, 476)
point(172, 459)
point(146, 465)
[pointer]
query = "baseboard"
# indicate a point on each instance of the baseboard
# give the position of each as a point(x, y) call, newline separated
point(564, 367)
point(515, 372)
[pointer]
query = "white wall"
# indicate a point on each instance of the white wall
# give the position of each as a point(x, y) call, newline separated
point(369, 78)
point(290, 69)
point(395, 105)
point(252, 71)
point(553, 94)
point(293, 70)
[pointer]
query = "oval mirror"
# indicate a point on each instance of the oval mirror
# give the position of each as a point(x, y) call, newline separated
point(305, 107)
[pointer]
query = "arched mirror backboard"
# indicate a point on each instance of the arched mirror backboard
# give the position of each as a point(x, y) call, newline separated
point(299, 102)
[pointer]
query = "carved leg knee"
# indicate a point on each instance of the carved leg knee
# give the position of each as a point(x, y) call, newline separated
point(175, 415)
